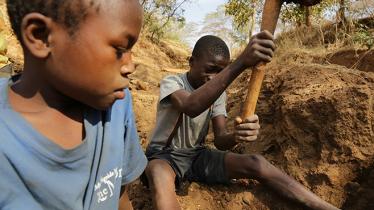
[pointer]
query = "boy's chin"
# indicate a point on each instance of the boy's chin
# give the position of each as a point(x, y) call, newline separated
point(103, 103)
point(101, 106)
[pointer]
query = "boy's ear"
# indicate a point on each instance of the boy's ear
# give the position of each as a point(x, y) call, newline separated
point(190, 60)
point(35, 30)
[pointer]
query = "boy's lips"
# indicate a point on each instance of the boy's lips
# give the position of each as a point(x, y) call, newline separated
point(119, 93)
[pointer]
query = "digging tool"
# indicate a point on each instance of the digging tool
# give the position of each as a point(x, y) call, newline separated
point(269, 22)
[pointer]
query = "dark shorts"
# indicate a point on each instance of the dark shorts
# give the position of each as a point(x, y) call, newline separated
point(199, 165)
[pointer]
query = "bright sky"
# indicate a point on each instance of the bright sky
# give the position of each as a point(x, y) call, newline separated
point(196, 11)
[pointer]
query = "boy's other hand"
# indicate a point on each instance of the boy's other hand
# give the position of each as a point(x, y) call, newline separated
point(259, 49)
point(246, 130)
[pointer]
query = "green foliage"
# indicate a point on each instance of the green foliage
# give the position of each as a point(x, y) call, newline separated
point(162, 15)
point(363, 36)
point(245, 14)
point(245, 11)
point(294, 14)
point(241, 11)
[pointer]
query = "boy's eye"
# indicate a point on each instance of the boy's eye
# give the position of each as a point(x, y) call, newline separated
point(120, 51)
point(213, 70)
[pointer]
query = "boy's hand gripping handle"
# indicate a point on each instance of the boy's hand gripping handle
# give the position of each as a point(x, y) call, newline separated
point(269, 22)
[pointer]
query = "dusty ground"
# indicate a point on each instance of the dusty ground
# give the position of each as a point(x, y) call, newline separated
point(317, 114)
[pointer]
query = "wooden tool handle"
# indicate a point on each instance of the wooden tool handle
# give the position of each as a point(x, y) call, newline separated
point(254, 88)
point(269, 21)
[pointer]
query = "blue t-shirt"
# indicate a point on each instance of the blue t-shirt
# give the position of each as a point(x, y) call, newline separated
point(36, 173)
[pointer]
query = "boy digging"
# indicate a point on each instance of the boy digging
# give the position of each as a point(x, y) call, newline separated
point(187, 104)
point(68, 135)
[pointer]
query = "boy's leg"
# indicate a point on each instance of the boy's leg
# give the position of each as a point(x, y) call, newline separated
point(161, 178)
point(257, 167)
point(124, 200)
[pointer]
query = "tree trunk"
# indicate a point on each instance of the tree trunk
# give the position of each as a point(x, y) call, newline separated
point(252, 19)
point(307, 16)
point(341, 13)
point(252, 23)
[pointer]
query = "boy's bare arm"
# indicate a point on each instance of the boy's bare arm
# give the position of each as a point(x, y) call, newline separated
point(223, 140)
point(244, 131)
point(193, 104)
point(259, 49)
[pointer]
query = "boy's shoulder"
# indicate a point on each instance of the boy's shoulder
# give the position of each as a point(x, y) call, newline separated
point(172, 83)
point(3, 88)
point(3, 81)
point(174, 76)
point(8, 134)
point(174, 79)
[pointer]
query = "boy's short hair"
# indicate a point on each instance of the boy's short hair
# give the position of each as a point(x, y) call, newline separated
point(67, 12)
point(212, 45)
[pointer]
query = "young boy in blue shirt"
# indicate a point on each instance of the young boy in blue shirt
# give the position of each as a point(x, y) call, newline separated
point(68, 135)
point(188, 103)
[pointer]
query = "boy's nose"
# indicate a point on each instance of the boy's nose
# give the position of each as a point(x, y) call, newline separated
point(210, 76)
point(127, 69)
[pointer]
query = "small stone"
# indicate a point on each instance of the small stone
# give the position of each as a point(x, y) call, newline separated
point(227, 197)
point(141, 85)
point(246, 201)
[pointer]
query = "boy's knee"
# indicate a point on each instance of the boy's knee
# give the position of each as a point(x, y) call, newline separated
point(159, 172)
point(255, 165)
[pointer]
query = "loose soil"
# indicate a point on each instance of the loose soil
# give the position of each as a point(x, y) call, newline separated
point(355, 59)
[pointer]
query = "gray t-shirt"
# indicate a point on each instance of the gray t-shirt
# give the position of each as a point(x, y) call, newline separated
point(192, 131)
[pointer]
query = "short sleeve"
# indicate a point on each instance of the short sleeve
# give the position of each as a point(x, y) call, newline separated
point(219, 106)
point(134, 160)
point(169, 85)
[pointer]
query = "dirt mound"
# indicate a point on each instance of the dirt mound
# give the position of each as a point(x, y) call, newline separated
point(317, 125)
point(355, 59)
point(355, 31)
